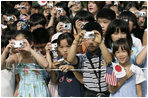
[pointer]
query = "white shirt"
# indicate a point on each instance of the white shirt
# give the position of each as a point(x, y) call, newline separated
point(136, 42)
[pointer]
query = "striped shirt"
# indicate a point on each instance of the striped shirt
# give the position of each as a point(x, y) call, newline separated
point(89, 78)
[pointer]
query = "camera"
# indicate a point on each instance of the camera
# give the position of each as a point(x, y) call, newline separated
point(54, 46)
point(10, 18)
point(77, 2)
point(141, 13)
point(61, 60)
point(20, 7)
point(50, 5)
point(83, 23)
point(59, 10)
point(89, 34)
point(67, 26)
point(18, 44)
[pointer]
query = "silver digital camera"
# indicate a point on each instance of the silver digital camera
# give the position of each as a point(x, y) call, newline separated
point(77, 2)
point(20, 7)
point(50, 5)
point(61, 60)
point(54, 46)
point(83, 23)
point(67, 26)
point(10, 18)
point(59, 10)
point(141, 13)
point(89, 34)
point(18, 44)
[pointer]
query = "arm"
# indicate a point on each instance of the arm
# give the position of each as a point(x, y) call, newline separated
point(106, 54)
point(77, 74)
point(73, 49)
point(139, 90)
point(113, 89)
point(17, 87)
point(141, 56)
point(4, 55)
point(38, 57)
point(144, 38)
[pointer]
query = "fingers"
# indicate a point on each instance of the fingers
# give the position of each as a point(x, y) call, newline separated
point(48, 46)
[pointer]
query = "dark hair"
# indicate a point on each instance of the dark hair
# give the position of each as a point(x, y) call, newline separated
point(106, 13)
point(93, 26)
point(13, 11)
point(4, 41)
point(124, 44)
point(51, 30)
point(26, 33)
point(132, 4)
point(68, 36)
point(130, 16)
point(84, 15)
point(115, 26)
point(36, 19)
point(40, 36)
point(64, 6)
point(10, 34)
point(100, 4)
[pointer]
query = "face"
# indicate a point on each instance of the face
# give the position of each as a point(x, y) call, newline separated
point(64, 48)
point(91, 45)
point(117, 35)
point(104, 24)
point(41, 48)
point(76, 7)
point(122, 56)
point(92, 7)
point(27, 6)
point(131, 25)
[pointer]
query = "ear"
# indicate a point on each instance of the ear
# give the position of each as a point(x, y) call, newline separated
point(31, 43)
point(131, 52)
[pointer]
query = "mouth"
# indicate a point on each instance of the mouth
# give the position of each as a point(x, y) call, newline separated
point(90, 9)
point(122, 59)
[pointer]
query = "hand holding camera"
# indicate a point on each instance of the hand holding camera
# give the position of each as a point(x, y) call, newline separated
point(98, 37)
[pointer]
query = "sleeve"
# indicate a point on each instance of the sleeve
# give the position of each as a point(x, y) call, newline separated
point(139, 75)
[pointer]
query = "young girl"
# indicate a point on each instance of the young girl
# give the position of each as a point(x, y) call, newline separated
point(68, 81)
point(130, 84)
point(119, 29)
point(31, 82)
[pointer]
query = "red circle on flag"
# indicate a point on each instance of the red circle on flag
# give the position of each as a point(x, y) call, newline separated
point(43, 1)
point(118, 68)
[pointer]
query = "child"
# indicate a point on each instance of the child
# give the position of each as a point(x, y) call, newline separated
point(119, 29)
point(130, 84)
point(69, 83)
point(104, 17)
point(31, 82)
point(95, 56)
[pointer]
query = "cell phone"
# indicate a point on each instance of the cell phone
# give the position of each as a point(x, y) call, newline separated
point(18, 44)
point(89, 34)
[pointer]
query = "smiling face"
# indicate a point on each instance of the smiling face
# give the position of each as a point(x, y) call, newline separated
point(64, 48)
point(122, 56)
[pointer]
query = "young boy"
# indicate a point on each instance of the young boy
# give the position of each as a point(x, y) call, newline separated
point(95, 56)
point(104, 17)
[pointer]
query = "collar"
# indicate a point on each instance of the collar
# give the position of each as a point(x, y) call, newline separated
point(91, 55)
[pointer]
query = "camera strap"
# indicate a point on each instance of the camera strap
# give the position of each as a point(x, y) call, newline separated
point(98, 77)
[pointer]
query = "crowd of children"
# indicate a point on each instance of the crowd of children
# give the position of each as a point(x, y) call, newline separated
point(63, 48)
